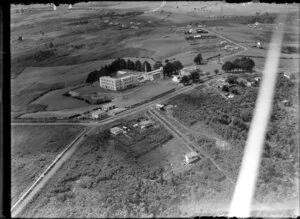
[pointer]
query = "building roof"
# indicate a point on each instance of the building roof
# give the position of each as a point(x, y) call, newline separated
point(191, 154)
point(147, 122)
point(116, 129)
point(99, 111)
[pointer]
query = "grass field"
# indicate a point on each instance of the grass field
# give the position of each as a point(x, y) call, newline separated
point(230, 120)
point(56, 101)
point(59, 114)
point(33, 148)
point(107, 177)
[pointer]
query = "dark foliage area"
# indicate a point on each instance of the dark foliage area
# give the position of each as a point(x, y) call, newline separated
point(116, 65)
point(172, 68)
point(244, 64)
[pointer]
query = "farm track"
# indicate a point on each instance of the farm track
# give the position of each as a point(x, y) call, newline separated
point(169, 126)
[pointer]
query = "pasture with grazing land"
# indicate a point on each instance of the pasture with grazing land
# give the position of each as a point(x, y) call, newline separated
point(33, 149)
point(110, 174)
point(141, 173)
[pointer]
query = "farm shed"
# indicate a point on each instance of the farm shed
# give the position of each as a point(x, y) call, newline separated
point(108, 106)
point(116, 130)
point(73, 94)
point(146, 124)
point(160, 106)
point(191, 157)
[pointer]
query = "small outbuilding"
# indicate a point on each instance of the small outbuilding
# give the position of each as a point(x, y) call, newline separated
point(108, 106)
point(146, 124)
point(191, 157)
point(160, 106)
point(116, 130)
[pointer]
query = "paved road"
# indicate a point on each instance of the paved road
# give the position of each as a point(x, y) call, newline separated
point(48, 173)
point(111, 119)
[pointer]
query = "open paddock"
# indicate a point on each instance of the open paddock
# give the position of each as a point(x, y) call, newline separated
point(33, 148)
point(102, 171)
point(58, 114)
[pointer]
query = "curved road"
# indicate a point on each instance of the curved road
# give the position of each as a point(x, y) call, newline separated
point(160, 7)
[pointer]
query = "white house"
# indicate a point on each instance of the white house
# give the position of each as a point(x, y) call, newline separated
point(191, 157)
point(176, 78)
point(73, 94)
point(116, 130)
point(159, 106)
point(121, 72)
point(146, 124)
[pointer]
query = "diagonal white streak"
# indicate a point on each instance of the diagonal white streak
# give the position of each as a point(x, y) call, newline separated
point(245, 187)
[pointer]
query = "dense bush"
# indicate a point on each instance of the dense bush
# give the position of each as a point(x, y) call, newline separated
point(117, 64)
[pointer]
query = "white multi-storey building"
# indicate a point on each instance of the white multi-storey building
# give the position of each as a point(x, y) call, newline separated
point(118, 83)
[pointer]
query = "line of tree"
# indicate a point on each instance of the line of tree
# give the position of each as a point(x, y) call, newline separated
point(116, 65)
point(245, 64)
point(194, 77)
point(172, 68)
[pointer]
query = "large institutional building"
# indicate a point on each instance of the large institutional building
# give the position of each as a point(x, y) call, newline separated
point(118, 83)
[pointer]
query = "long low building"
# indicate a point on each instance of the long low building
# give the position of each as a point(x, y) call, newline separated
point(158, 73)
point(118, 83)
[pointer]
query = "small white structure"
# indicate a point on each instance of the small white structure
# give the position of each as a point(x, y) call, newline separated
point(121, 72)
point(286, 75)
point(192, 30)
point(191, 157)
point(159, 106)
point(146, 124)
point(176, 78)
point(70, 6)
point(73, 94)
point(116, 131)
point(197, 36)
point(223, 42)
point(54, 7)
point(108, 106)
point(230, 96)
point(257, 78)
point(98, 114)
